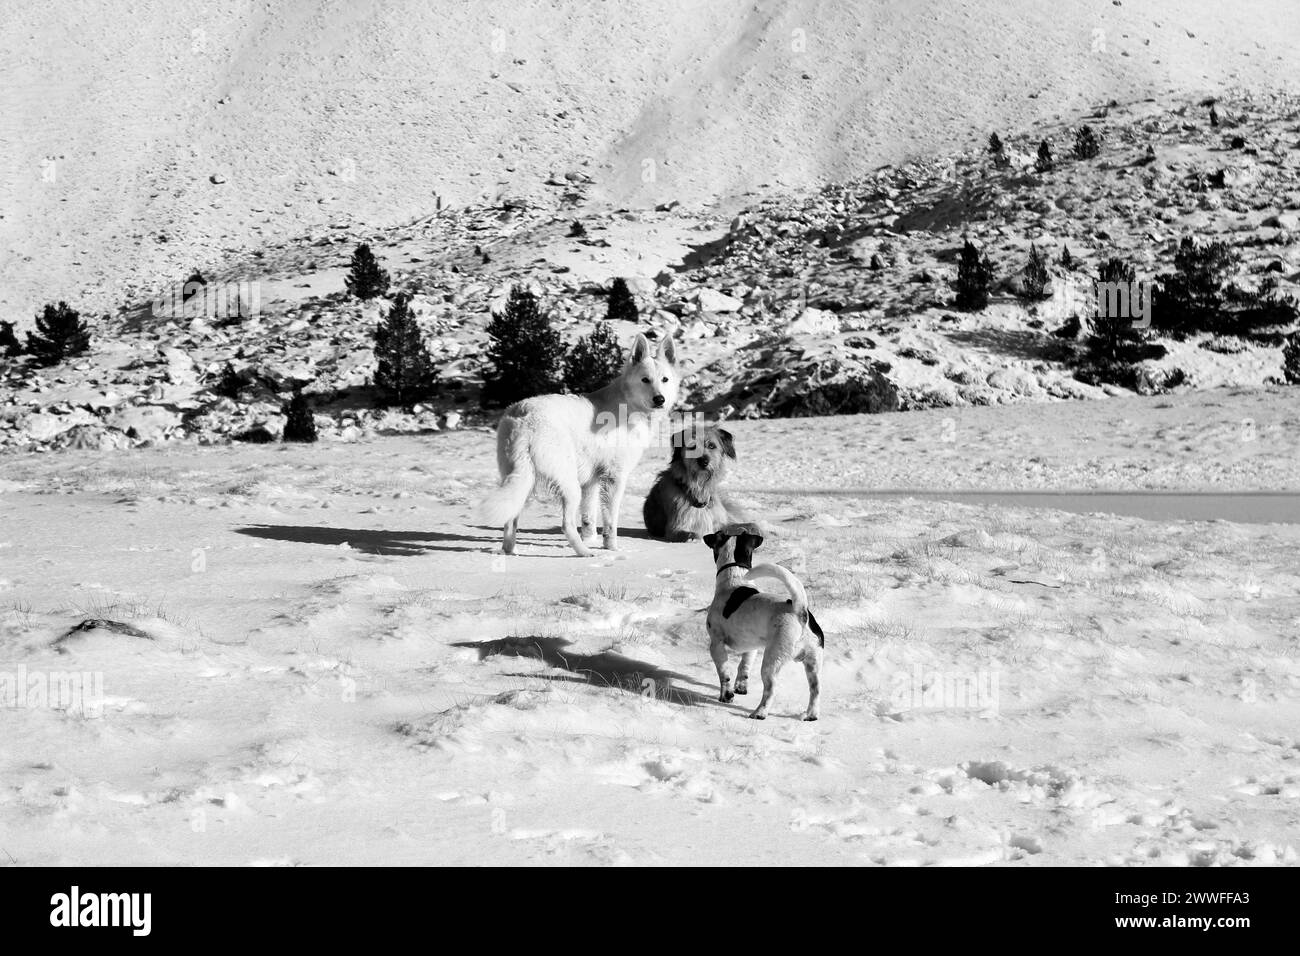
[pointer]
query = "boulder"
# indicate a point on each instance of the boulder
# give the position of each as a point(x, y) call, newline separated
point(44, 426)
point(1073, 389)
point(1290, 221)
point(92, 437)
point(783, 382)
point(711, 300)
point(149, 423)
point(815, 322)
point(1017, 380)
point(640, 285)
point(176, 358)
point(835, 387)
point(286, 375)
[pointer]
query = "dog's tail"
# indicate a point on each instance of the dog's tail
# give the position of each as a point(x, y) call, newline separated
point(798, 596)
point(507, 502)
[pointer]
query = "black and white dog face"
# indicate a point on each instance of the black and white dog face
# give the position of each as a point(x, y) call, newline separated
point(734, 543)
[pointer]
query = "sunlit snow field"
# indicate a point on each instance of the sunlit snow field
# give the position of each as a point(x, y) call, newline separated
point(317, 656)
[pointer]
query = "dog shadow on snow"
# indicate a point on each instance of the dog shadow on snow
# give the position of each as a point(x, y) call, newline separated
point(410, 543)
point(605, 669)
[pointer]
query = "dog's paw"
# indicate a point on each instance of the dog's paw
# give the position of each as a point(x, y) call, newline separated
point(611, 544)
point(727, 697)
point(757, 715)
point(742, 687)
point(810, 717)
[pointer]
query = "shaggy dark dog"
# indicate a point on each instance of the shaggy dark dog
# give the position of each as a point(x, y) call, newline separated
point(686, 501)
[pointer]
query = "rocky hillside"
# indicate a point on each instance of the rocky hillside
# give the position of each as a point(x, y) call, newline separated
point(807, 302)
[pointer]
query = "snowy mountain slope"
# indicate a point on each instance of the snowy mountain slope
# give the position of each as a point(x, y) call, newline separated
point(143, 139)
point(792, 306)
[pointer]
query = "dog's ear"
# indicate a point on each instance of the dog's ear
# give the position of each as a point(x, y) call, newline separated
point(668, 351)
point(716, 540)
point(640, 349)
point(746, 544)
point(728, 443)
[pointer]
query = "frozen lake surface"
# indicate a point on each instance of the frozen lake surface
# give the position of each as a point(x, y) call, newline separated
point(1261, 507)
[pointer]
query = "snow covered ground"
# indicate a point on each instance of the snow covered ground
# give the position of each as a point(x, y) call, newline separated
point(326, 661)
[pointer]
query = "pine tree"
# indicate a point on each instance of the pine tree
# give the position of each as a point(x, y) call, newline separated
point(1291, 359)
point(1113, 337)
point(1045, 160)
point(1191, 298)
point(577, 230)
point(525, 356)
point(1214, 117)
point(594, 361)
point(59, 334)
point(9, 344)
point(621, 306)
point(1037, 280)
point(229, 383)
point(1067, 260)
point(995, 144)
point(365, 279)
point(404, 371)
point(193, 286)
point(1086, 143)
point(1114, 345)
point(974, 276)
point(299, 424)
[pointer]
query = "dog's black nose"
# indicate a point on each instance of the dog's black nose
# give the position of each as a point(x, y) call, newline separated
point(659, 401)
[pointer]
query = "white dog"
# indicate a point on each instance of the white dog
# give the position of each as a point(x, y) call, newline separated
point(582, 445)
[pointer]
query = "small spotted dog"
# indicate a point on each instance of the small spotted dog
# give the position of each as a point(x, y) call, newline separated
point(745, 620)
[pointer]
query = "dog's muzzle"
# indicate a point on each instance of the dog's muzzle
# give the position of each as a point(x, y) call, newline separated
point(659, 401)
